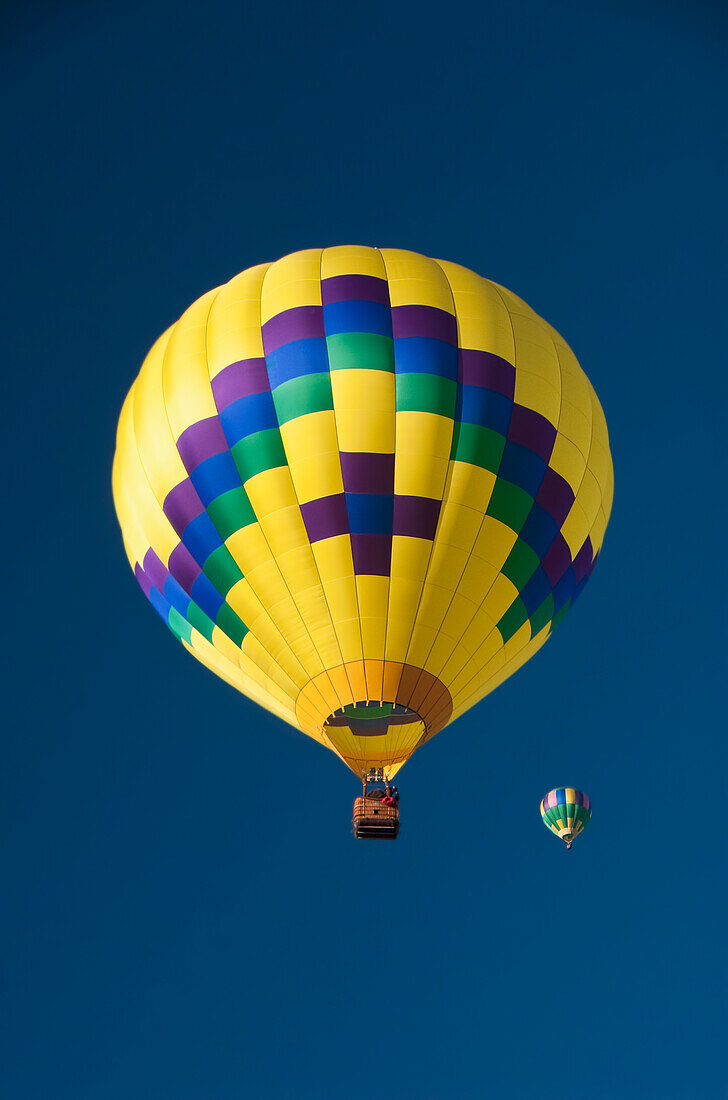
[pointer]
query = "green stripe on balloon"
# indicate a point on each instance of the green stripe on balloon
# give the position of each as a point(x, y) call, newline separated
point(258, 452)
point(426, 393)
point(310, 393)
point(479, 446)
point(360, 351)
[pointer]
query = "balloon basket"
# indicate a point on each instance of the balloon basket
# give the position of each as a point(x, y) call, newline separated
point(373, 821)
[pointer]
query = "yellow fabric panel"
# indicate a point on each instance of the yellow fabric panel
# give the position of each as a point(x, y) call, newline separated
point(408, 565)
point(374, 392)
point(299, 570)
point(319, 474)
point(274, 499)
point(575, 424)
point(469, 485)
point(445, 610)
point(460, 671)
point(334, 561)
point(420, 469)
point(239, 678)
point(259, 550)
point(249, 549)
point(284, 531)
point(225, 647)
point(336, 570)
point(233, 329)
point(185, 376)
point(157, 451)
point(494, 542)
point(600, 466)
point(445, 653)
point(421, 642)
point(143, 520)
point(413, 426)
point(253, 648)
point(589, 497)
point(477, 578)
point(446, 565)
point(600, 435)
point(441, 575)
point(214, 661)
point(458, 617)
point(264, 691)
point(290, 282)
point(458, 525)
point(498, 672)
point(481, 630)
point(349, 636)
point(409, 557)
point(271, 491)
point(415, 279)
point(517, 306)
point(416, 474)
point(476, 687)
point(287, 618)
point(349, 258)
point(374, 432)
point(566, 459)
point(247, 605)
point(310, 435)
point(535, 350)
point(570, 794)
point(484, 323)
point(533, 392)
point(499, 597)
point(573, 380)
point(373, 594)
point(252, 554)
point(608, 497)
point(423, 442)
point(576, 528)
point(597, 532)
point(266, 580)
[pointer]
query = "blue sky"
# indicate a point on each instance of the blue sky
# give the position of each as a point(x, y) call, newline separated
point(159, 939)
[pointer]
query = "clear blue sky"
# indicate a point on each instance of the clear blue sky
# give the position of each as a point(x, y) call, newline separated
point(158, 941)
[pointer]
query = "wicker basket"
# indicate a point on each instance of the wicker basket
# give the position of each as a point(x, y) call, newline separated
point(373, 821)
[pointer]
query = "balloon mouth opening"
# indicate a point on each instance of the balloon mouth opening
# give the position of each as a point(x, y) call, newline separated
point(373, 718)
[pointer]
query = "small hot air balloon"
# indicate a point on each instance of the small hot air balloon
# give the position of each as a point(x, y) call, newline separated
point(363, 487)
point(566, 812)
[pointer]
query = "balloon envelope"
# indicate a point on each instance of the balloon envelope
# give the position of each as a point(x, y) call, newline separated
point(363, 487)
point(566, 812)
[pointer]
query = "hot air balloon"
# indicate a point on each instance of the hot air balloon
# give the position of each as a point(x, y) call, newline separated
point(363, 487)
point(566, 812)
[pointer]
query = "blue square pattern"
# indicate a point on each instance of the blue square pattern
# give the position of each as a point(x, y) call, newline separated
point(370, 513)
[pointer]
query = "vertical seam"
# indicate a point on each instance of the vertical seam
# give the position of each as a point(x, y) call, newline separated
point(480, 527)
point(242, 486)
point(265, 360)
point(432, 543)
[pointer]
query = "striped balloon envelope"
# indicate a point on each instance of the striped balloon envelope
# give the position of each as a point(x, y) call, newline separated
point(363, 487)
point(566, 812)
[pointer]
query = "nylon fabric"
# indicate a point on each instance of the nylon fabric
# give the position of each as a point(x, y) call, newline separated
point(359, 476)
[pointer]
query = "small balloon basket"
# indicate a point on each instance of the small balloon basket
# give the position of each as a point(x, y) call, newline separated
point(373, 821)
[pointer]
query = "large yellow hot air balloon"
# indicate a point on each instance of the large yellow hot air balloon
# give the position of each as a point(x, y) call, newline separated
point(363, 487)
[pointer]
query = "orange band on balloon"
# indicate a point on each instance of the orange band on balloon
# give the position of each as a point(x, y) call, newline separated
point(383, 681)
